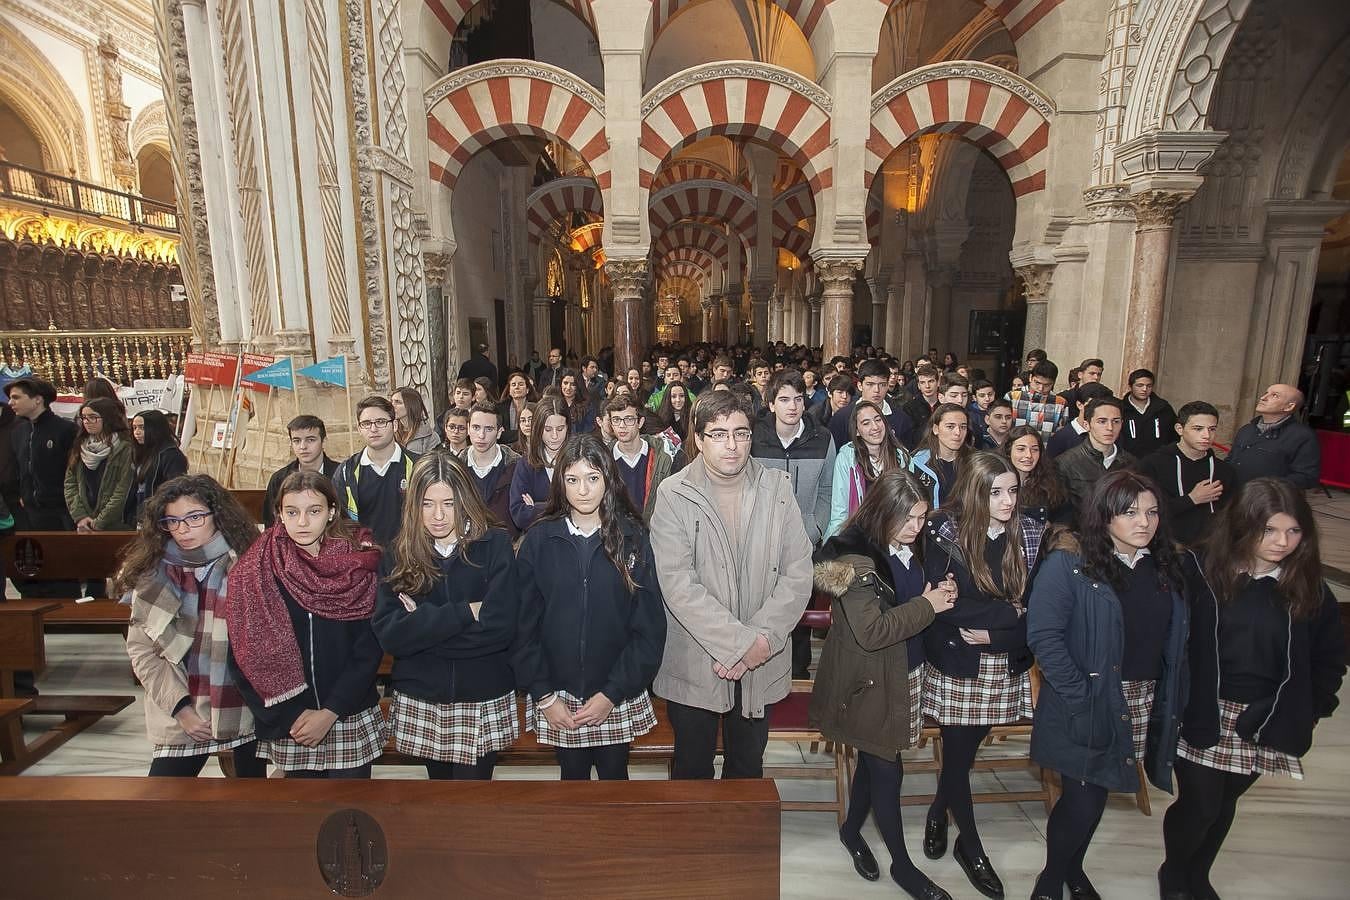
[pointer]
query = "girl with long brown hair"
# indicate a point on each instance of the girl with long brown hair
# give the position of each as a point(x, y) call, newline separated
point(302, 650)
point(872, 452)
point(412, 422)
point(446, 610)
point(175, 575)
point(976, 675)
point(532, 481)
point(1041, 492)
point(518, 394)
point(944, 445)
point(1267, 657)
point(593, 626)
point(99, 471)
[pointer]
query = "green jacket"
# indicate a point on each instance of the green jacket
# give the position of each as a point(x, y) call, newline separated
point(112, 489)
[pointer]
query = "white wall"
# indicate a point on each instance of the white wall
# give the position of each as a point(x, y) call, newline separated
point(476, 214)
point(563, 40)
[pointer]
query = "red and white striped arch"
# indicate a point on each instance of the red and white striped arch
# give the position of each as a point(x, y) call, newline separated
point(798, 243)
point(704, 259)
point(695, 235)
point(449, 13)
point(785, 175)
point(791, 207)
point(689, 169)
point(559, 199)
point(586, 237)
point(747, 100)
point(703, 201)
point(474, 106)
point(683, 269)
point(1020, 15)
point(806, 13)
point(992, 107)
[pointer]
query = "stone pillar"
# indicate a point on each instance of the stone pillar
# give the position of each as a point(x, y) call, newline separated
point(438, 325)
point(761, 292)
point(775, 316)
point(878, 284)
point(627, 278)
point(895, 314)
point(940, 305)
point(814, 303)
point(1036, 280)
point(543, 325)
point(912, 332)
point(837, 275)
point(732, 302)
point(1154, 212)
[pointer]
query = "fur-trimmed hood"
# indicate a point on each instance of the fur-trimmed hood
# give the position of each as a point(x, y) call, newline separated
point(836, 576)
point(846, 557)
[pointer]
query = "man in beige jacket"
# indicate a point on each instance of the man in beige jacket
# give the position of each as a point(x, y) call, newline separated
point(734, 564)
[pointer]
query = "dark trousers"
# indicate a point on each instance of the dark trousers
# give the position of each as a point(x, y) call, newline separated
point(801, 652)
point(355, 772)
point(246, 764)
point(446, 771)
point(960, 743)
point(1068, 833)
point(1196, 824)
point(610, 762)
point(743, 741)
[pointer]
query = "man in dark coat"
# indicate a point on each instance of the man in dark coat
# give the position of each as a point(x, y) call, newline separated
point(479, 366)
point(1275, 443)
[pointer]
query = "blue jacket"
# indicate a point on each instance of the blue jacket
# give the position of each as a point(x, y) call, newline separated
point(581, 629)
point(847, 486)
point(526, 479)
point(1081, 727)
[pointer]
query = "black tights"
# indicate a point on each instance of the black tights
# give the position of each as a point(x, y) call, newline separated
point(1196, 824)
point(609, 760)
point(354, 772)
point(448, 771)
point(960, 743)
point(1068, 834)
point(876, 789)
point(246, 764)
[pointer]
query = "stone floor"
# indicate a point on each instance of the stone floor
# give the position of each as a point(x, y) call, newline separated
point(1289, 840)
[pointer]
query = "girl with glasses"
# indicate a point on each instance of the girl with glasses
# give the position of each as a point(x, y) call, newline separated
point(99, 471)
point(175, 576)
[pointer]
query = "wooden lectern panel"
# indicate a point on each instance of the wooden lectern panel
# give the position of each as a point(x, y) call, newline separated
point(208, 838)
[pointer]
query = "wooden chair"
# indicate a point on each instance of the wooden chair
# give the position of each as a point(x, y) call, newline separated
point(788, 722)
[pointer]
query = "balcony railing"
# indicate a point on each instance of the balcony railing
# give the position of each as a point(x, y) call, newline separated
point(70, 358)
point(59, 192)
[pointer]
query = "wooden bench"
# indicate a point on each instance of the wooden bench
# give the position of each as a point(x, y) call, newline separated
point(71, 556)
point(23, 649)
point(212, 838)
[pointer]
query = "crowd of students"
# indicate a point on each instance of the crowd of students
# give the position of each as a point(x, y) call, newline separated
point(660, 534)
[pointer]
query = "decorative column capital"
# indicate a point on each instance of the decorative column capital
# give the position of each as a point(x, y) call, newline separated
point(433, 268)
point(815, 300)
point(1109, 202)
point(838, 273)
point(1036, 278)
point(1156, 210)
point(627, 276)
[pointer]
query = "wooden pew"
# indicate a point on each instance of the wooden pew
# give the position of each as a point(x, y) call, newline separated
point(252, 501)
point(23, 648)
point(70, 556)
point(213, 838)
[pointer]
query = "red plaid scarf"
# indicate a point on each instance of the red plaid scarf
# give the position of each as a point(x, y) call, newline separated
point(338, 584)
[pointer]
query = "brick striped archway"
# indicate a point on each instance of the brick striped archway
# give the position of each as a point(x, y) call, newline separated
point(703, 201)
point(474, 106)
point(738, 99)
point(704, 260)
point(449, 13)
point(808, 14)
point(992, 107)
point(560, 198)
point(692, 234)
point(792, 207)
point(690, 169)
point(683, 270)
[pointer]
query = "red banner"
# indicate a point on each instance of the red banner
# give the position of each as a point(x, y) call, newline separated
point(252, 363)
point(210, 369)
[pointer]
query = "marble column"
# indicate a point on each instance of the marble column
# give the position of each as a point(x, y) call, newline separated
point(1155, 212)
point(837, 275)
point(732, 301)
point(627, 278)
point(813, 308)
point(761, 292)
point(775, 316)
point(438, 324)
point(913, 333)
point(1036, 280)
point(543, 326)
point(878, 285)
point(940, 306)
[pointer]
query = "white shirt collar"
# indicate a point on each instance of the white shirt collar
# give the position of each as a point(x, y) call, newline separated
point(574, 530)
point(445, 554)
point(885, 407)
point(1273, 573)
point(995, 529)
point(380, 470)
point(801, 427)
point(482, 471)
point(631, 460)
point(1135, 403)
point(1132, 561)
point(903, 553)
point(1078, 429)
point(1108, 458)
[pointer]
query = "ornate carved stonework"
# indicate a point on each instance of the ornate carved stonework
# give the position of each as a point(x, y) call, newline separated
point(116, 115)
point(433, 267)
point(484, 71)
point(151, 126)
point(194, 254)
point(1156, 210)
point(716, 71)
point(409, 298)
point(976, 71)
point(627, 277)
point(393, 85)
point(838, 274)
point(1109, 202)
point(1196, 71)
point(330, 190)
point(1307, 129)
point(46, 102)
point(1036, 279)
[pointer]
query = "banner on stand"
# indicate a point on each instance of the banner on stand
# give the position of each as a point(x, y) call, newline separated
point(329, 371)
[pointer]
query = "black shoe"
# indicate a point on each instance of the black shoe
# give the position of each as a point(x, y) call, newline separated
point(1165, 893)
point(935, 838)
point(863, 860)
point(926, 891)
point(979, 870)
point(1082, 890)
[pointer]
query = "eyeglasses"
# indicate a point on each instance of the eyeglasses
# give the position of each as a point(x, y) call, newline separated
point(374, 424)
point(456, 428)
point(171, 524)
point(623, 421)
point(720, 435)
point(90, 417)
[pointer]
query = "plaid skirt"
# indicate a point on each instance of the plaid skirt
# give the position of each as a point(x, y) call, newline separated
point(630, 719)
point(1139, 701)
point(200, 748)
point(992, 697)
point(1238, 756)
point(915, 705)
point(453, 732)
point(351, 742)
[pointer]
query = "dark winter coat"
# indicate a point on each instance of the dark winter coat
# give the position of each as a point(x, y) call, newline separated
point(1289, 450)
